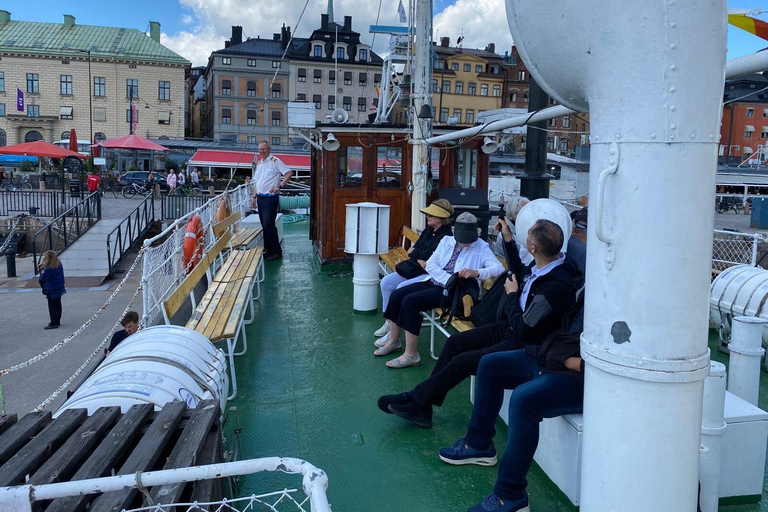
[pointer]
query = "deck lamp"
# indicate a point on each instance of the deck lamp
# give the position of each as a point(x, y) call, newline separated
point(331, 144)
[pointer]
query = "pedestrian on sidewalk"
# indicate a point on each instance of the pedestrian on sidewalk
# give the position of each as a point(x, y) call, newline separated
point(52, 281)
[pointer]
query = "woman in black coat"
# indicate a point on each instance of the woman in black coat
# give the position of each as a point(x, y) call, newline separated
point(52, 281)
point(438, 225)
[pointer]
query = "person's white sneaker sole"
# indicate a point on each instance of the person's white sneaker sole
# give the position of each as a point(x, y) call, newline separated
point(382, 331)
point(479, 461)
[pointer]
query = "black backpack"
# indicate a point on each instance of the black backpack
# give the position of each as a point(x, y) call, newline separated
point(487, 312)
point(452, 303)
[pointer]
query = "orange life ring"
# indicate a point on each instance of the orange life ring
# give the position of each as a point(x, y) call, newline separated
point(193, 243)
point(222, 211)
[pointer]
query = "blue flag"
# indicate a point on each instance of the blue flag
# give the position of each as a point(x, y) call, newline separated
point(19, 100)
point(401, 12)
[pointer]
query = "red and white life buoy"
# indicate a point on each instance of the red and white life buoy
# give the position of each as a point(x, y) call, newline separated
point(194, 243)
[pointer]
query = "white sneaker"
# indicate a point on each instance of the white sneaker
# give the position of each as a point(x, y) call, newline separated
point(382, 331)
point(382, 341)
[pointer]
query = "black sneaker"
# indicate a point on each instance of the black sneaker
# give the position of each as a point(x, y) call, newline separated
point(461, 453)
point(415, 413)
point(49, 327)
point(386, 400)
point(274, 256)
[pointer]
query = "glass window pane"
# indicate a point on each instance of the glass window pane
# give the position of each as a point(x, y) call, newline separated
point(350, 173)
point(389, 170)
point(465, 168)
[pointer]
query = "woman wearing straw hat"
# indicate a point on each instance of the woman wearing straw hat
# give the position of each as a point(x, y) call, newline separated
point(438, 225)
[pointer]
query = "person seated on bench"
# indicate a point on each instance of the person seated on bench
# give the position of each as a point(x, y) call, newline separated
point(462, 253)
point(577, 244)
point(130, 323)
point(438, 226)
point(511, 209)
point(530, 315)
point(548, 381)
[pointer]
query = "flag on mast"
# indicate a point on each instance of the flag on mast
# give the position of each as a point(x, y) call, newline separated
point(401, 12)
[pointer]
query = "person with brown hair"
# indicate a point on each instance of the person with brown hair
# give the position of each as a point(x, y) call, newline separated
point(130, 323)
point(52, 282)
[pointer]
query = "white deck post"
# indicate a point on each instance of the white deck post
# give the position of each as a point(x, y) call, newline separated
point(422, 75)
point(746, 348)
point(712, 429)
point(651, 75)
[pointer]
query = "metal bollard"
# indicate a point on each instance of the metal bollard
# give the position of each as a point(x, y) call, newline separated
point(10, 262)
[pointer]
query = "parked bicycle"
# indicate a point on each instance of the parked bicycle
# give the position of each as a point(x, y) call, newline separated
point(187, 190)
point(136, 188)
point(729, 203)
point(107, 184)
point(24, 185)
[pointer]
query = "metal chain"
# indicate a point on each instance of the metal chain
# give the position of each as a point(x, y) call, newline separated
point(88, 322)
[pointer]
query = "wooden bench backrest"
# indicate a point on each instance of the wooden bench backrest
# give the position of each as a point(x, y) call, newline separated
point(410, 234)
point(177, 298)
point(220, 227)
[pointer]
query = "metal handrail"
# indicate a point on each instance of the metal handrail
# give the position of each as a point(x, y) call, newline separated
point(91, 212)
point(130, 231)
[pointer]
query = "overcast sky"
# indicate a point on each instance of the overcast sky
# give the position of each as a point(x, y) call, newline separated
point(195, 28)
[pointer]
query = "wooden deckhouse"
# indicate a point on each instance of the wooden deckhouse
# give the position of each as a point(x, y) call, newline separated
point(373, 163)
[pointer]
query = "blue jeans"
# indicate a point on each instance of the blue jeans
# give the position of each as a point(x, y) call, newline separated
point(537, 396)
point(268, 206)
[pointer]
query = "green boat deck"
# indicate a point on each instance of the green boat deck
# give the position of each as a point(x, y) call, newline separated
point(308, 387)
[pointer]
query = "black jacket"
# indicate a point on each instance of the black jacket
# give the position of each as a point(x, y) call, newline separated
point(549, 298)
point(564, 343)
point(428, 242)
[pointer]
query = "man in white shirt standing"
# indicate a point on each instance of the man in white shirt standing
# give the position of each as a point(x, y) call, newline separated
point(269, 175)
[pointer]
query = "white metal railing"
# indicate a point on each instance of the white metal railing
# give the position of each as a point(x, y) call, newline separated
point(163, 269)
point(731, 248)
point(314, 485)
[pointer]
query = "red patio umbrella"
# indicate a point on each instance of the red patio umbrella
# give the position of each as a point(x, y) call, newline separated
point(72, 140)
point(132, 142)
point(39, 148)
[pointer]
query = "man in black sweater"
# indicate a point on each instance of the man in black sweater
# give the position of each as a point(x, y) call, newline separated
point(548, 381)
point(529, 315)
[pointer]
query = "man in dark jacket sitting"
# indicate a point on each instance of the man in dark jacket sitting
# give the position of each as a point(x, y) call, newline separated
point(532, 312)
point(548, 381)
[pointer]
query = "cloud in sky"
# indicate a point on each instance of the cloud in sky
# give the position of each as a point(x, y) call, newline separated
point(210, 22)
point(480, 21)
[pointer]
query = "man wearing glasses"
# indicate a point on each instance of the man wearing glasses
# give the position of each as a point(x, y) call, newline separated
point(270, 174)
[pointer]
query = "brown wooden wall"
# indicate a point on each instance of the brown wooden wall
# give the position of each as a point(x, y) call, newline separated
point(329, 199)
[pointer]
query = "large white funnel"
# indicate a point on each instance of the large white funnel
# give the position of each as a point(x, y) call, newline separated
point(651, 76)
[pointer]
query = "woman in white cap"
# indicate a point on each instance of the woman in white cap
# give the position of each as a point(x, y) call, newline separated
point(463, 254)
point(511, 209)
point(411, 271)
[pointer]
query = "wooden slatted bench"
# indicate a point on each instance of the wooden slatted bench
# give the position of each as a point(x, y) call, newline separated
point(241, 240)
point(245, 237)
point(186, 289)
point(398, 254)
point(221, 312)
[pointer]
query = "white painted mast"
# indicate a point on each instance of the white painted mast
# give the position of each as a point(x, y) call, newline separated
point(651, 75)
point(422, 129)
